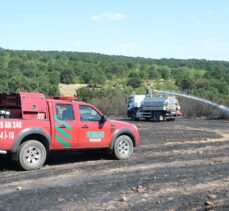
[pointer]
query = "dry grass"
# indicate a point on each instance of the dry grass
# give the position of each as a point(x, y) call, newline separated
point(69, 89)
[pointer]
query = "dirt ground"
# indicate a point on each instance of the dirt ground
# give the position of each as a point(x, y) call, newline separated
point(181, 165)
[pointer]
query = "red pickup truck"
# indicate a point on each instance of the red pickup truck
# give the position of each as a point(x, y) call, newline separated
point(32, 125)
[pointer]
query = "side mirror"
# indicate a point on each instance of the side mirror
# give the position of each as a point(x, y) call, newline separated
point(103, 119)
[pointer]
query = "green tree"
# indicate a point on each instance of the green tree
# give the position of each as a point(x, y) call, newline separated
point(67, 76)
point(222, 86)
point(165, 72)
point(186, 84)
point(134, 80)
point(153, 73)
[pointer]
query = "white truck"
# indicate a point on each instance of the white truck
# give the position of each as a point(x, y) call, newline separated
point(156, 108)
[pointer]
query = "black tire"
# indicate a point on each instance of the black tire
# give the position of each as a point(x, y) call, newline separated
point(31, 155)
point(171, 119)
point(156, 116)
point(123, 148)
point(133, 116)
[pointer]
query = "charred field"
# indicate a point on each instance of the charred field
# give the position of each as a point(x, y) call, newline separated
point(181, 165)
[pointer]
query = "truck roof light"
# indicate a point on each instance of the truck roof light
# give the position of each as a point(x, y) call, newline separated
point(66, 98)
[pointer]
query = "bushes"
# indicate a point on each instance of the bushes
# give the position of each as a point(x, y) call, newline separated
point(192, 109)
point(111, 101)
point(117, 105)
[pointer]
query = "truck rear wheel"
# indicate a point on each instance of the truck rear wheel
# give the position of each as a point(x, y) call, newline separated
point(32, 155)
point(123, 148)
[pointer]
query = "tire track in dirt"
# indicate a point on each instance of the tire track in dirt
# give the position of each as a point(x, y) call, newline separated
point(78, 167)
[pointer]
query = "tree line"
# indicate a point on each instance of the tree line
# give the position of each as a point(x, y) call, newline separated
point(42, 71)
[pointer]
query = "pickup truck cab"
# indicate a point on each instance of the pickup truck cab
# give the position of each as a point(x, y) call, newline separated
point(31, 126)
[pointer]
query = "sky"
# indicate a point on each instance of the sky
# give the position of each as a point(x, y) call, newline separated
point(141, 28)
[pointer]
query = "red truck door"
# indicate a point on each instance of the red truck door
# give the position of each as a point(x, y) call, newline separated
point(93, 133)
point(65, 131)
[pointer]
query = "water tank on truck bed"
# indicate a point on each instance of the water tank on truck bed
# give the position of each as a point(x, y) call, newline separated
point(154, 108)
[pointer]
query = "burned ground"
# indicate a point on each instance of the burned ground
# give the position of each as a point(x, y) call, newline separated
point(179, 165)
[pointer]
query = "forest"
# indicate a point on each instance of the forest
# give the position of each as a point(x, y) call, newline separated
point(111, 76)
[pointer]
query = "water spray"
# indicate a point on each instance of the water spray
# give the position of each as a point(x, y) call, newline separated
point(221, 107)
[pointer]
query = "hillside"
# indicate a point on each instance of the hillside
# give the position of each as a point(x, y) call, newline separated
point(43, 71)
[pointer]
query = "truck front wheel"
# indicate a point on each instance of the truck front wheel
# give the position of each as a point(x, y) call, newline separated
point(123, 148)
point(32, 155)
point(134, 116)
point(156, 116)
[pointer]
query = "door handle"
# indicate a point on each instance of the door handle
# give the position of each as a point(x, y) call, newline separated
point(62, 126)
point(85, 126)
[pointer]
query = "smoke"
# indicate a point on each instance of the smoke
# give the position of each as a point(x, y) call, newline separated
point(220, 107)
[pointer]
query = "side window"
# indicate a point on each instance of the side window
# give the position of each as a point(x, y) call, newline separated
point(88, 114)
point(65, 112)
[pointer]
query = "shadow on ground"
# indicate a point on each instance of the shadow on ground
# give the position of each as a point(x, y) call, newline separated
point(60, 157)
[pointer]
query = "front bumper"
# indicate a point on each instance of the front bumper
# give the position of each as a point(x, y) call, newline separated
point(3, 152)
